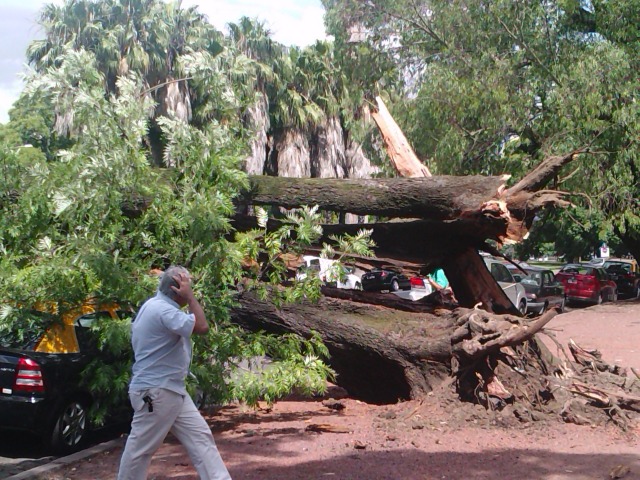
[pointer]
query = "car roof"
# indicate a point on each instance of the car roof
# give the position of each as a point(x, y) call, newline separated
point(621, 260)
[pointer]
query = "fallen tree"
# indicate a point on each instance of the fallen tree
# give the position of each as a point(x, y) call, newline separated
point(383, 348)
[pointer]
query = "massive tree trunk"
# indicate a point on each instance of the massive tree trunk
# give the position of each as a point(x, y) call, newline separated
point(289, 155)
point(369, 364)
point(256, 119)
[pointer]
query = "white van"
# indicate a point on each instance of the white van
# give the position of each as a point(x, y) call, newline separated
point(328, 271)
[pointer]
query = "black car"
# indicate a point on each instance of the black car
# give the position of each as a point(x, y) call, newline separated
point(42, 388)
point(626, 274)
point(387, 278)
point(541, 288)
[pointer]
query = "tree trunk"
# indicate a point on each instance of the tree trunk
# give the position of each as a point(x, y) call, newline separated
point(437, 198)
point(369, 365)
point(406, 356)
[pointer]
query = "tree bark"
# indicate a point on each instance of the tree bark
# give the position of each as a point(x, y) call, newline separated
point(400, 152)
point(378, 366)
point(370, 366)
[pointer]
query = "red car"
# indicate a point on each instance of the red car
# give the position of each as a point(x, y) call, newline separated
point(587, 283)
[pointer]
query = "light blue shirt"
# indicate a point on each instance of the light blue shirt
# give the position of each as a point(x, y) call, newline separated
point(161, 340)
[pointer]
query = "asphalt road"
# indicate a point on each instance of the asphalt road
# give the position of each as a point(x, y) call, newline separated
point(20, 452)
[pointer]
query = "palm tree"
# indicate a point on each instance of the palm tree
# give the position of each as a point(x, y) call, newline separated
point(145, 37)
point(253, 39)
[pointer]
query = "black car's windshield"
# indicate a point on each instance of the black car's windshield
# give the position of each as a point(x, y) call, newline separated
point(533, 278)
point(21, 329)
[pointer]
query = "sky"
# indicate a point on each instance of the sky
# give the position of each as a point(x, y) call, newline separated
point(292, 22)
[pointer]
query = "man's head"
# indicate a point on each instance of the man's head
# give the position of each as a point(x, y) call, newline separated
point(167, 281)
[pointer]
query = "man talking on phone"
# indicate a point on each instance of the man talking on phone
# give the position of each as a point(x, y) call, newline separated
point(161, 340)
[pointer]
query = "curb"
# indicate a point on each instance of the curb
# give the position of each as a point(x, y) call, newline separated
point(34, 473)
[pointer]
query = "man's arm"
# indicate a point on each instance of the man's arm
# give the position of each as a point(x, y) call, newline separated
point(184, 290)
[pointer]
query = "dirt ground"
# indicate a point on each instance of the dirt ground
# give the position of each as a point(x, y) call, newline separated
point(428, 440)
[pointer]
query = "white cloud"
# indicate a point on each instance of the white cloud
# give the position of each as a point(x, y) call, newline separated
point(8, 95)
point(292, 22)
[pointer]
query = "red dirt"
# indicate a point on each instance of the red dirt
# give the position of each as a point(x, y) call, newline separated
point(431, 440)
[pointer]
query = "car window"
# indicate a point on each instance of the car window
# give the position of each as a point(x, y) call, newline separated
point(547, 278)
point(579, 269)
point(615, 267)
point(125, 315)
point(22, 329)
point(87, 340)
point(501, 273)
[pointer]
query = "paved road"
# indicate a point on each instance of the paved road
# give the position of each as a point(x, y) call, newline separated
point(611, 328)
point(20, 452)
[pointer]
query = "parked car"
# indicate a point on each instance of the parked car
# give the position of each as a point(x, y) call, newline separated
point(41, 368)
point(514, 290)
point(386, 278)
point(585, 282)
point(330, 272)
point(420, 288)
point(626, 273)
point(543, 291)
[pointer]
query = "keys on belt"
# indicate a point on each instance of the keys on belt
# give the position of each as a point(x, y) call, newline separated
point(147, 399)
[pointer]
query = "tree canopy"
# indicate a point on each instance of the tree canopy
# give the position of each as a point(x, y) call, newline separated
point(494, 87)
point(141, 103)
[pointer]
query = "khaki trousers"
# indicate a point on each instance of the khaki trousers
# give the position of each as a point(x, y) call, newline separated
point(173, 413)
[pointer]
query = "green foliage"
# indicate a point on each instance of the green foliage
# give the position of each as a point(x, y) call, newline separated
point(108, 373)
point(91, 215)
point(22, 328)
point(269, 253)
point(496, 87)
point(298, 366)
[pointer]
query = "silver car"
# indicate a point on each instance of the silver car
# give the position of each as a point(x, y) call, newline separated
point(513, 289)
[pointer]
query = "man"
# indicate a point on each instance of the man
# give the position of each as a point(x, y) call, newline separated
point(160, 335)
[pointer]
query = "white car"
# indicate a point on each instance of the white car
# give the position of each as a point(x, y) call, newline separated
point(513, 289)
point(329, 272)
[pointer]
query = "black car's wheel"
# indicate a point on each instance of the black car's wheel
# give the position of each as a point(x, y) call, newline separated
point(70, 427)
point(395, 286)
point(614, 296)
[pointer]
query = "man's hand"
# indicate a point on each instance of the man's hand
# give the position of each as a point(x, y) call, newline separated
point(184, 286)
point(186, 293)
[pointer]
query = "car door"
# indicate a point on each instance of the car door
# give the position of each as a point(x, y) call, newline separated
point(505, 280)
point(551, 289)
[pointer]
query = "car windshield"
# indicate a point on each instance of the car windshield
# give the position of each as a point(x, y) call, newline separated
point(618, 267)
point(533, 278)
point(579, 269)
point(21, 329)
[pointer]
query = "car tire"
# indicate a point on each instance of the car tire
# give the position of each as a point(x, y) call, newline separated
point(562, 305)
point(395, 286)
point(637, 292)
point(69, 427)
point(522, 308)
point(543, 308)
